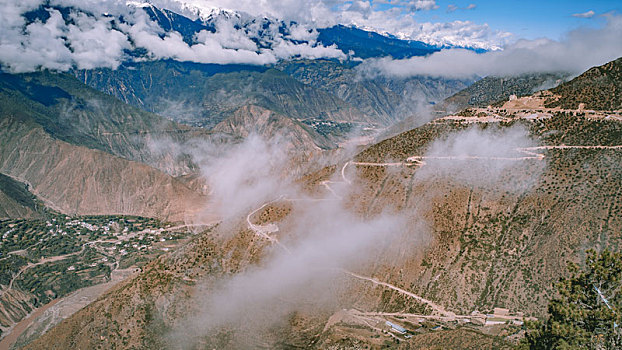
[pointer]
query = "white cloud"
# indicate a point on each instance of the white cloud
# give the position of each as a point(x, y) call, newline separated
point(482, 157)
point(323, 237)
point(285, 50)
point(397, 20)
point(90, 41)
point(411, 5)
point(42, 45)
point(302, 33)
point(588, 14)
point(423, 5)
point(302, 11)
point(320, 237)
point(360, 6)
point(319, 12)
point(94, 43)
point(578, 51)
point(208, 50)
point(453, 8)
point(228, 37)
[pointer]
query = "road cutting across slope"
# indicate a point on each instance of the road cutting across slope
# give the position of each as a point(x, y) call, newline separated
point(437, 308)
point(264, 231)
point(344, 180)
point(380, 164)
point(529, 154)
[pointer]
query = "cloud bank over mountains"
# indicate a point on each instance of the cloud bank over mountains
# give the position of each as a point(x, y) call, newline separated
point(578, 51)
point(398, 19)
point(87, 34)
point(91, 35)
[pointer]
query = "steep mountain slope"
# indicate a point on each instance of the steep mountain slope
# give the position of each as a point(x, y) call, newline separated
point(388, 100)
point(501, 230)
point(78, 180)
point(16, 201)
point(365, 44)
point(72, 112)
point(600, 88)
point(294, 137)
point(168, 87)
point(204, 95)
point(66, 141)
point(491, 247)
point(501, 245)
point(493, 89)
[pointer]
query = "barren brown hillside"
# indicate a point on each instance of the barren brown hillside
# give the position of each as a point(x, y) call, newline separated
point(599, 88)
point(490, 246)
point(493, 211)
point(79, 180)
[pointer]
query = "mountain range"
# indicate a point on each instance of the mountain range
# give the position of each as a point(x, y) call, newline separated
point(494, 242)
point(166, 203)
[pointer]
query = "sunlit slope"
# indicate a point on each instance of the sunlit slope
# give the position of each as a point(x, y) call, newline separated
point(78, 180)
point(497, 243)
point(70, 111)
point(492, 212)
point(598, 88)
point(77, 149)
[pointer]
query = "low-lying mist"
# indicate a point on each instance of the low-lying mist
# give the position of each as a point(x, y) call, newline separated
point(304, 276)
point(322, 238)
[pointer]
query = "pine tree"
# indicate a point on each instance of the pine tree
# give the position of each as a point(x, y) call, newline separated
point(587, 313)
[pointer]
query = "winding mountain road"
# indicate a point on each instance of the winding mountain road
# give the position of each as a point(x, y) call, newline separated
point(265, 231)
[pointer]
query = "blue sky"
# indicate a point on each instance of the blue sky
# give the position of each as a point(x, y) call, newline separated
point(525, 18)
